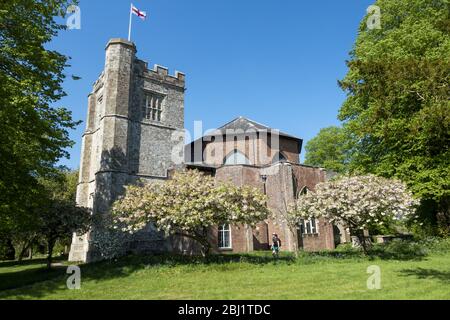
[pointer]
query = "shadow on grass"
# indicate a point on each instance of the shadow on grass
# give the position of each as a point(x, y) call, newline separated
point(17, 283)
point(422, 273)
point(18, 279)
point(27, 262)
point(34, 271)
point(123, 267)
point(130, 264)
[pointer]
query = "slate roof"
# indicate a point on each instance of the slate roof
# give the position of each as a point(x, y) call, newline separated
point(243, 124)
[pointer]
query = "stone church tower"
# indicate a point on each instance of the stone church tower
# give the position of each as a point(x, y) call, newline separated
point(134, 131)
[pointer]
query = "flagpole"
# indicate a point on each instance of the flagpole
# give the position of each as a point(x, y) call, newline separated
point(129, 26)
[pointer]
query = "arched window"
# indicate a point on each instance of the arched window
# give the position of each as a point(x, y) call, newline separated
point(224, 236)
point(279, 157)
point(303, 191)
point(236, 157)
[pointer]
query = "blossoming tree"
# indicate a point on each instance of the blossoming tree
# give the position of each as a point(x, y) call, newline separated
point(188, 205)
point(356, 202)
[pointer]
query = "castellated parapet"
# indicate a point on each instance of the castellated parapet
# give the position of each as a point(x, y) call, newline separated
point(135, 123)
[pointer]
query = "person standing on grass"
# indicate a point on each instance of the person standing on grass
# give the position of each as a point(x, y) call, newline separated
point(276, 245)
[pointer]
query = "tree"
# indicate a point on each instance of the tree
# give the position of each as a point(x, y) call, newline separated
point(60, 216)
point(330, 149)
point(60, 219)
point(358, 203)
point(398, 105)
point(33, 133)
point(188, 205)
point(62, 185)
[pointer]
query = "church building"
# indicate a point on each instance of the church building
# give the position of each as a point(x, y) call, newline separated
point(135, 133)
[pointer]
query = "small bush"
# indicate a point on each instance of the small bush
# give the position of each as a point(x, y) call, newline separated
point(345, 248)
point(7, 251)
point(436, 245)
point(410, 249)
point(404, 249)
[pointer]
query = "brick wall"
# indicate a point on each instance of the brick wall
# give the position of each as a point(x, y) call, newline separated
point(323, 240)
point(259, 149)
point(309, 177)
point(283, 180)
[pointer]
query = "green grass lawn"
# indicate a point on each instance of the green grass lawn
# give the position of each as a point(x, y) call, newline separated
point(328, 275)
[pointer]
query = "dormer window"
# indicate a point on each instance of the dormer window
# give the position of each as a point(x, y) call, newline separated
point(153, 107)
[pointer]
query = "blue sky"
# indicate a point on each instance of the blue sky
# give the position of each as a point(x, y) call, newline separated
point(275, 62)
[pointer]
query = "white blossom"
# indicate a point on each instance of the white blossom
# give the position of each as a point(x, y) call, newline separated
point(356, 202)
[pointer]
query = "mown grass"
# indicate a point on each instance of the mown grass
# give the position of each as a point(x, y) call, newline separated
point(408, 271)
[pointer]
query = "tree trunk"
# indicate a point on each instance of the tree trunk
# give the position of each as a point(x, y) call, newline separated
point(206, 245)
point(294, 234)
point(21, 254)
point(24, 250)
point(202, 239)
point(355, 231)
point(362, 241)
point(51, 244)
point(206, 248)
point(443, 217)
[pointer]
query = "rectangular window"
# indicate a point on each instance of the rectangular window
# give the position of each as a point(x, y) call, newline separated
point(224, 236)
point(309, 226)
point(152, 109)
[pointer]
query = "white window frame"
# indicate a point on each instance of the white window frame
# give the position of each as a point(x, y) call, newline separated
point(309, 227)
point(222, 230)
